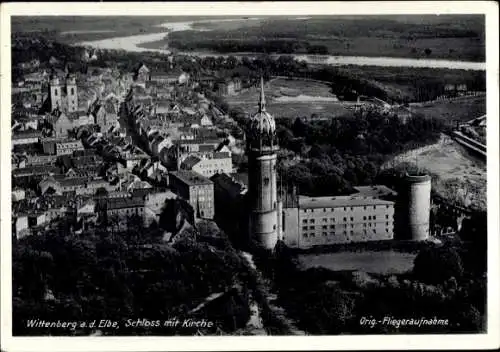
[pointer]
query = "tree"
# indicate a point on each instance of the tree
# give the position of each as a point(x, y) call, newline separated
point(436, 265)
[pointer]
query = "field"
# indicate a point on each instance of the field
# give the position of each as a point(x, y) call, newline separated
point(74, 29)
point(458, 37)
point(291, 99)
point(446, 37)
point(378, 262)
point(411, 82)
point(460, 176)
point(462, 109)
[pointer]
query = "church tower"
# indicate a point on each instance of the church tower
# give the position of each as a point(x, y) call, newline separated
point(262, 148)
point(71, 93)
point(55, 93)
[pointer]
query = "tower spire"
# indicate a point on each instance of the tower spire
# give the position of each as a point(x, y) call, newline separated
point(262, 100)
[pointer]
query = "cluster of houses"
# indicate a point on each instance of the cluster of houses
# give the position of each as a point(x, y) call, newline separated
point(181, 135)
point(75, 162)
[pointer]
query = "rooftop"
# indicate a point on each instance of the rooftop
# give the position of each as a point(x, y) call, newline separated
point(191, 178)
point(190, 161)
point(123, 203)
point(26, 134)
point(341, 201)
point(221, 155)
point(36, 169)
point(228, 184)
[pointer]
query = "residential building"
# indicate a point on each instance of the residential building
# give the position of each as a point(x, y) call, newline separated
point(215, 163)
point(141, 74)
point(198, 190)
point(26, 137)
point(68, 147)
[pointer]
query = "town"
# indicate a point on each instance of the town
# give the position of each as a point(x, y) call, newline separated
point(105, 147)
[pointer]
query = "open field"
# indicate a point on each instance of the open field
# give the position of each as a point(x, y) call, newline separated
point(291, 99)
point(463, 109)
point(74, 29)
point(378, 262)
point(411, 82)
point(461, 177)
point(458, 37)
point(447, 37)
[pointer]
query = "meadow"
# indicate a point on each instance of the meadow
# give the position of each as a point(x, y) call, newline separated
point(462, 109)
point(290, 99)
point(446, 37)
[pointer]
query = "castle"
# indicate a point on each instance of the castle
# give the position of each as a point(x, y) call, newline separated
point(368, 214)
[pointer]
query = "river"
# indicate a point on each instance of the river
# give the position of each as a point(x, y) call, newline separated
point(133, 43)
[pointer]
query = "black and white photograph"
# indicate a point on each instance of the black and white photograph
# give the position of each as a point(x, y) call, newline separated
point(184, 171)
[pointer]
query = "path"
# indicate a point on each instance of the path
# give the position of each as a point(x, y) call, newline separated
point(277, 311)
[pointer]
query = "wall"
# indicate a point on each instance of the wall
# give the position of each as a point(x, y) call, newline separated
point(322, 226)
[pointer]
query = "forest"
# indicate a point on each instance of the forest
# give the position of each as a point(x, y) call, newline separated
point(330, 157)
point(118, 275)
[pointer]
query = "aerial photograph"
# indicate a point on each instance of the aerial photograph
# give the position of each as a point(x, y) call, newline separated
point(248, 175)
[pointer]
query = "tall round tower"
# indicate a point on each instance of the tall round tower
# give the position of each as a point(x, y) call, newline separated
point(262, 148)
point(415, 198)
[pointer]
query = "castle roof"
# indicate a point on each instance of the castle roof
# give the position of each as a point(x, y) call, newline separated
point(340, 201)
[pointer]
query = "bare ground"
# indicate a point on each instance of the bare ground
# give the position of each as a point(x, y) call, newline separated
point(461, 177)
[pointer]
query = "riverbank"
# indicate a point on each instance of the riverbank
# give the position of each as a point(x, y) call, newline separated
point(460, 177)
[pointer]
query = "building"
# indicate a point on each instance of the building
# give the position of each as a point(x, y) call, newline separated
point(68, 147)
point(118, 211)
point(198, 190)
point(18, 194)
point(169, 77)
point(328, 220)
point(231, 212)
point(229, 87)
point(105, 115)
point(198, 145)
point(141, 74)
point(26, 137)
point(20, 226)
point(262, 149)
point(216, 163)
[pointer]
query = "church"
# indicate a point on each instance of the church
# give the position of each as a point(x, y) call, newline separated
point(62, 106)
point(63, 96)
point(270, 214)
point(265, 214)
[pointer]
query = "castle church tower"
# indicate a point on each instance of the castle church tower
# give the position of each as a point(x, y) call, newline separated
point(71, 94)
point(262, 148)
